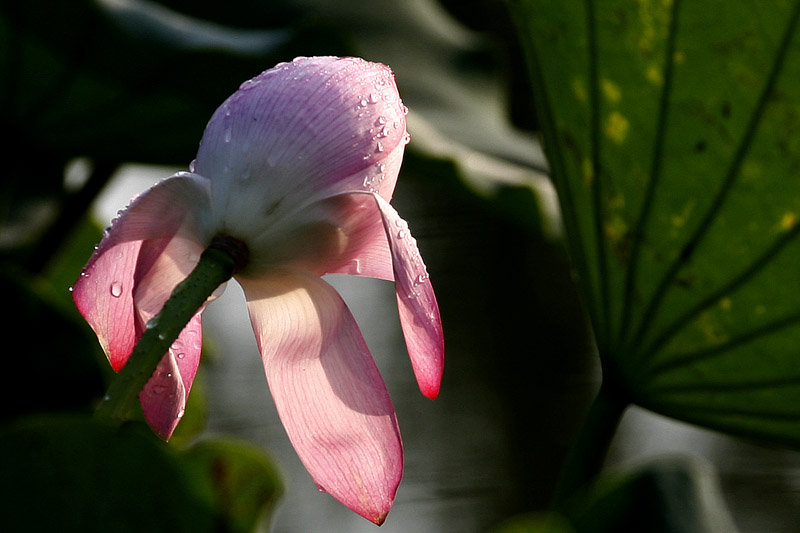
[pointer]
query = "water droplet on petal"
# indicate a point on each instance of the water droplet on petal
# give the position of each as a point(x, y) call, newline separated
point(181, 355)
point(192, 165)
point(402, 234)
point(116, 289)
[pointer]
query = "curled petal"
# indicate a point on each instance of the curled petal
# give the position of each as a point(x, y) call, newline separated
point(419, 312)
point(164, 396)
point(328, 391)
point(104, 292)
point(342, 234)
point(300, 132)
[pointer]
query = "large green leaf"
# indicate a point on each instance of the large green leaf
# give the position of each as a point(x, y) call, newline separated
point(672, 133)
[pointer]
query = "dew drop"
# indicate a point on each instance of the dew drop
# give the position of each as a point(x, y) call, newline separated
point(181, 355)
point(116, 289)
point(192, 165)
point(181, 413)
point(228, 135)
point(402, 234)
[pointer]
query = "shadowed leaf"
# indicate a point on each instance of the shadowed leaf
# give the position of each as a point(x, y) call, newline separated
point(672, 131)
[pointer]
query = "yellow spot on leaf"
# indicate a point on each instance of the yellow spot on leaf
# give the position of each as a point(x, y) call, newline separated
point(788, 221)
point(712, 330)
point(617, 127)
point(610, 90)
point(579, 89)
point(654, 75)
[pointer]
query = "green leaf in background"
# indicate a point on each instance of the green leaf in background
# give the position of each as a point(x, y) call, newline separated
point(71, 473)
point(247, 485)
point(54, 364)
point(668, 495)
point(129, 81)
point(672, 130)
point(75, 474)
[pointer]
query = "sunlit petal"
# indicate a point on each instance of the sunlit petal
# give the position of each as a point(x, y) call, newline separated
point(104, 293)
point(327, 389)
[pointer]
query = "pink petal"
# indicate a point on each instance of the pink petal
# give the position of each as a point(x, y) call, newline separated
point(353, 241)
point(419, 312)
point(302, 131)
point(104, 293)
point(164, 396)
point(328, 391)
point(149, 249)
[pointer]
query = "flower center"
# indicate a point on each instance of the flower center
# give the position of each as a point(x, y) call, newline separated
point(233, 247)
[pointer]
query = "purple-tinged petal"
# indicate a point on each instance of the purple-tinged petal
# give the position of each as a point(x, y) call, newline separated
point(328, 391)
point(419, 312)
point(104, 292)
point(300, 132)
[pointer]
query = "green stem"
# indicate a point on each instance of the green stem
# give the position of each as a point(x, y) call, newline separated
point(215, 267)
point(588, 452)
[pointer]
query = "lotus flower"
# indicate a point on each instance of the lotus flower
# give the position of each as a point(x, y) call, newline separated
point(298, 166)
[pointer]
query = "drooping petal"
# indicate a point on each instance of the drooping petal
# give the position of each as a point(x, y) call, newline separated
point(419, 312)
point(328, 391)
point(104, 293)
point(165, 395)
point(300, 132)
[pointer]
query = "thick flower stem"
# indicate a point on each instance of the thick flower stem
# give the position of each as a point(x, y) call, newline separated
point(215, 267)
point(588, 452)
